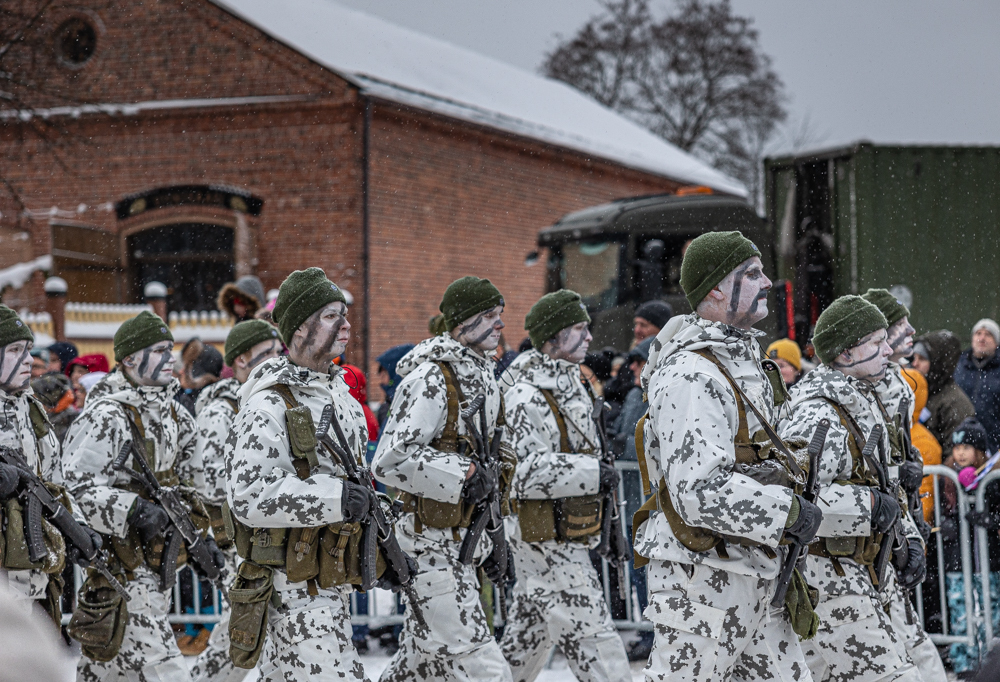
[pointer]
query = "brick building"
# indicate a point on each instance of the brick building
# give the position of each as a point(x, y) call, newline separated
point(191, 141)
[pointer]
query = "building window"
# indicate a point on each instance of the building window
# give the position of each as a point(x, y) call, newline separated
point(75, 41)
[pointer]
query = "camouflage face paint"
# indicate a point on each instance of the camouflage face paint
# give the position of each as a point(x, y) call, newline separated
point(748, 296)
point(15, 366)
point(160, 356)
point(867, 360)
point(481, 332)
point(571, 343)
point(266, 351)
point(900, 338)
point(326, 334)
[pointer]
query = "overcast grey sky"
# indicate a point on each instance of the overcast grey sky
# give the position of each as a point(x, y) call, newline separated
point(882, 70)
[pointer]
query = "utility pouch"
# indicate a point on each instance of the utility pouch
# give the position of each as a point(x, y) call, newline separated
point(16, 556)
point(220, 530)
point(340, 560)
point(578, 518)
point(537, 519)
point(302, 554)
point(436, 514)
point(302, 437)
point(99, 621)
point(241, 533)
point(801, 601)
point(249, 597)
point(773, 374)
point(128, 549)
point(267, 546)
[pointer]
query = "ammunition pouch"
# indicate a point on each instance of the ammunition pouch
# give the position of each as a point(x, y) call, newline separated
point(131, 552)
point(567, 519)
point(99, 621)
point(219, 527)
point(434, 514)
point(15, 539)
point(249, 598)
point(801, 601)
point(859, 549)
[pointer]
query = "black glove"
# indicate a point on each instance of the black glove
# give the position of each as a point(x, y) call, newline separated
point(911, 475)
point(149, 518)
point(923, 527)
point(78, 556)
point(949, 530)
point(885, 511)
point(218, 558)
point(499, 574)
point(356, 502)
point(10, 476)
point(609, 478)
point(391, 581)
point(805, 526)
point(479, 486)
point(915, 569)
point(983, 518)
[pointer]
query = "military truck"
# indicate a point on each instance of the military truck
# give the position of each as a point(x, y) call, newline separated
point(629, 251)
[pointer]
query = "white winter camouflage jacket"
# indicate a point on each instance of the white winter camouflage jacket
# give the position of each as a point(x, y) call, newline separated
point(215, 413)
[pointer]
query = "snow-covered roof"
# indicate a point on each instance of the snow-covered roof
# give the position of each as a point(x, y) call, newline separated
point(19, 273)
point(404, 66)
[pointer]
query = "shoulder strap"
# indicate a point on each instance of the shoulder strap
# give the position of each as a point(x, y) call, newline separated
point(850, 424)
point(793, 466)
point(448, 442)
point(233, 404)
point(743, 429)
point(560, 421)
point(39, 421)
point(301, 464)
point(640, 453)
point(132, 412)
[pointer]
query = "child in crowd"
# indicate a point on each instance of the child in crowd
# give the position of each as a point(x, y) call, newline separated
point(969, 458)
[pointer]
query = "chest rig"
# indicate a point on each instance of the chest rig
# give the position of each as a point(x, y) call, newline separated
point(762, 456)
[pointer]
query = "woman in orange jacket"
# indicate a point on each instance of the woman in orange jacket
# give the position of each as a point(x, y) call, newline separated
point(922, 439)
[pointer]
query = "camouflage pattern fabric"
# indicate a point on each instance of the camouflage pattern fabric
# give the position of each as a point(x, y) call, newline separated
point(893, 390)
point(856, 640)
point(557, 598)
point(712, 624)
point(712, 615)
point(309, 636)
point(456, 643)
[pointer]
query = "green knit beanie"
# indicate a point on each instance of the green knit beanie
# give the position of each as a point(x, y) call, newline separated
point(142, 331)
point(301, 294)
point(12, 327)
point(553, 313)
point(845, 322)
point(709, 258)
point(893, 309)
point(245, 336)
point(466, 297)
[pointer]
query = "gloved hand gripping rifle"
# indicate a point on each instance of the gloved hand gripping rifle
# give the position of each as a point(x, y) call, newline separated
point(377, 531)
point(797, 549)
point(38, 502)
point(486, 517)
point(613, 545)
point(181, 528)
point(893, 540)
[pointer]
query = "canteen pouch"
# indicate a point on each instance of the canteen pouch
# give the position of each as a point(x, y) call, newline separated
point(801, 601)
point(302, 554)
point(99, 621)
point(249, 597)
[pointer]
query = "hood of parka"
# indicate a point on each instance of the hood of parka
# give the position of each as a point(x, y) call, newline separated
point(692, 333)
point(226, 388)
point(826, 382)
point(539, 370)
point(945, 349)
point(281, 370)
point(116, 386)
point(441, 348)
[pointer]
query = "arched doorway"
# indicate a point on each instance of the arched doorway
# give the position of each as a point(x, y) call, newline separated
point(194, 260)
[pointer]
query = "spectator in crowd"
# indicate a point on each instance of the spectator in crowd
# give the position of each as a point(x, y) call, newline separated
point(978, 374)
point(968, 457)
point(922, 439)
point(64, 351)
point(242, 299)
point(41, 359)
point(201, 365)
point(788, 357)
point(55, 393)
point(388, 379)
point(935, 355)
point(596, 369)
point(81, 366)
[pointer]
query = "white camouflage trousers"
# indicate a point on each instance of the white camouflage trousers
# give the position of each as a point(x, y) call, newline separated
point(309, 637)
point(713, 625)
point(559, 601)
point(856, 641)
point(149, 651)
point(919, 646)
point(214, 664)
point(450, 640)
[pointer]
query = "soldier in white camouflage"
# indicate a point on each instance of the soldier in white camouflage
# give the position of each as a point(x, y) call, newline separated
point(559, 486)
point(723, 498)
point(248, 344)
point(898, 399)
point(289, 495)
point(136, 400)
point(856, 640)
point(25, 427)
point(423, 452)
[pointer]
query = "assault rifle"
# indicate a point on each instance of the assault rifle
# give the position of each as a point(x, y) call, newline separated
point(892, 539)
point(39, 501)
point(613, 545)
point(378, 531)
point(486, 518)
point(916, 506)
point(181, 528)
point(810, 493)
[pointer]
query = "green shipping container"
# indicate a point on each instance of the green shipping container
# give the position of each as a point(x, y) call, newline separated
point(924, 217)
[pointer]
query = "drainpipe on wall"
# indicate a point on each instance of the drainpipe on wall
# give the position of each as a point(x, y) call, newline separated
point(365, 254)
point(55, 304)
point(244, 253)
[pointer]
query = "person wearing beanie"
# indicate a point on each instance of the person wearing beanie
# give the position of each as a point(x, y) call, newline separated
point(267, 485)
point(242, 299)
point(978, 375)
point(649, 319)
point(422, 453)
point(788, 357)
point(248, 344)
point(24, 427)
point(851, 341)
point(936, 355)
point(558, 467)
point(136, 400)
point(719, 548)
point(388, 379)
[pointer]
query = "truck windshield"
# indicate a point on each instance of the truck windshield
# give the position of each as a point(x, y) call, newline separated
point(591, 270)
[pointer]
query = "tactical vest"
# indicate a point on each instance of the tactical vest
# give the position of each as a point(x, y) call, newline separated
point(435, 514)
point(860, 549)
point(567, 519)
point(764, 455)
point(321, 556)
